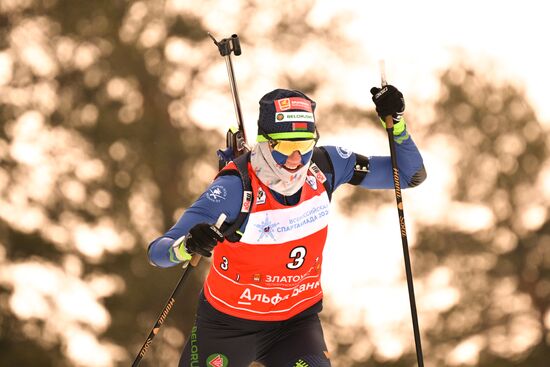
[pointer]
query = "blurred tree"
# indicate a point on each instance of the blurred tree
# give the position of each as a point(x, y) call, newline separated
point(499, 268)
point(101, 129)
point(501, 271)
point(100, 134)
point(94, 165)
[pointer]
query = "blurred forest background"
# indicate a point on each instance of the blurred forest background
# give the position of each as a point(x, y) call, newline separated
point(102, 147)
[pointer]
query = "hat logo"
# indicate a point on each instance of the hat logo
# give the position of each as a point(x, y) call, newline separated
point(284, 104)
point(293, 103)
point(294, 117)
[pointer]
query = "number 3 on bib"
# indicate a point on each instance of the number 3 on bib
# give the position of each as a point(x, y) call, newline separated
point(225, 264)
point(298, 254)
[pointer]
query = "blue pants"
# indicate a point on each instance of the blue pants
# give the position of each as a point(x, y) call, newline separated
point(220, 340)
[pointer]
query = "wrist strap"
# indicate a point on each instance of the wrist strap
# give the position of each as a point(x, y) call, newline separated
point(179, 251)
point(398, 127)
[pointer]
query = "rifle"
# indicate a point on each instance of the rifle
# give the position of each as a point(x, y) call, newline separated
point(236, 146)
point(235, 138)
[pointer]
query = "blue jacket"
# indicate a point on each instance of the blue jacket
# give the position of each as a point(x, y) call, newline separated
point(224, 195)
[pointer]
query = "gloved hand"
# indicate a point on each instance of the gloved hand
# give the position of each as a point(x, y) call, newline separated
point(389, 101)
point(202, 239)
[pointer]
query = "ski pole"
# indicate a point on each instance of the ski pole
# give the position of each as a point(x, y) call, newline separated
point(171, 300)
point(226, 46)
point(399, 200)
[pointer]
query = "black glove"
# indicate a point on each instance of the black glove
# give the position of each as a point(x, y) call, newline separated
point(202, 239)
point(389, 101)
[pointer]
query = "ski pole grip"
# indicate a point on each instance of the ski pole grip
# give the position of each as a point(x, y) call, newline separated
point(387, 119)
point(236, 44)
point(196, 258)
point(389, 122)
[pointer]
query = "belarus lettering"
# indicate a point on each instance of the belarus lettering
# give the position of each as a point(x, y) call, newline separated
point(294, 116)
point(194, 348)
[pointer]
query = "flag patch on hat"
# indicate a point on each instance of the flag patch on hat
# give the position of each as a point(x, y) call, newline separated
point(299, 126)
point(294, 116)
point(293, 103)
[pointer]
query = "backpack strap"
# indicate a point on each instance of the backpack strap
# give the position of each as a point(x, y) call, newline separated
point(231, 231)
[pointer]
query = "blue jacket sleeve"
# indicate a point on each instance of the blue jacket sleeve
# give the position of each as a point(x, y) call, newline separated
point(409, 163)
point(224, 195)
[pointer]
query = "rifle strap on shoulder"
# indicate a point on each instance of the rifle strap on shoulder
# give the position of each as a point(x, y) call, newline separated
point(322, 160)
point(231, 231)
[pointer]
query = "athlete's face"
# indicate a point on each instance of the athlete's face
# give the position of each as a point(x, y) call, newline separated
point(292, 161)
point(291, 154)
